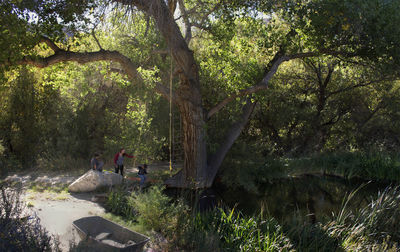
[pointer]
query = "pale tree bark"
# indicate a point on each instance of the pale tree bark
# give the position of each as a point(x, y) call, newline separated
point(233, 133)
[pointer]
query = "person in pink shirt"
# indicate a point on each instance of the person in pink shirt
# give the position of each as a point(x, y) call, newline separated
point(119, 161)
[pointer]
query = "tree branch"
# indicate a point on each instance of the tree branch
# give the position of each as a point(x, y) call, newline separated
point(50, 43)
point(359, 85)
point(188, 25)
point(128, 67)
point(230, 138)
point(263, 84)
point(97, 41)
point(180, 51)
point(274, 64)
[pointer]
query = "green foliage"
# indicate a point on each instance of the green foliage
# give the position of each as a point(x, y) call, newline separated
point(23, 23)
point(368, 165)
point(372, 227)
point(61, 163)
point(2, 149)
point(118, 203)
point(310, 237)
point(250, 171)
point(155, 210)
point(231, 231)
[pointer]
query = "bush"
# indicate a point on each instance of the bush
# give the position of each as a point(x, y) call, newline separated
point(19, 232)
point(61, 163)
point(156, 211)
point(117, 203)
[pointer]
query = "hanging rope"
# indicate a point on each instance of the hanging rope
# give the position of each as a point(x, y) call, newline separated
point(170, 117)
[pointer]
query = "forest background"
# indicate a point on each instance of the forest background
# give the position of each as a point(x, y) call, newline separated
point(330, 105)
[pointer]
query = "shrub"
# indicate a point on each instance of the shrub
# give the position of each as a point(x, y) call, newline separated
point(117, 203)
point(156, 210)
point(62, 162)
point(19, 232)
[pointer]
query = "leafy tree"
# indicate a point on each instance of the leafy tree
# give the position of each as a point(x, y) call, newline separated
point(320, 104)
point(364, 31)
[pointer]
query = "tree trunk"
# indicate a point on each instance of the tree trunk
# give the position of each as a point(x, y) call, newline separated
point(194, 172)
point(230, 138)
point(194, 145)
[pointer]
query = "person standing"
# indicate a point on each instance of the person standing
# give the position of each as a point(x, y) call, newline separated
point(119, 161)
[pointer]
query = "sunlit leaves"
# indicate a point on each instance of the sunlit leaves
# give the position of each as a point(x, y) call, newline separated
point(235, 63)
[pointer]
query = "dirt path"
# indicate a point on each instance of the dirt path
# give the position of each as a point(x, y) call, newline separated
point(57, 210)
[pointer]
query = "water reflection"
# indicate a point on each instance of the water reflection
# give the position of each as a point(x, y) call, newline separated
point(316, 196)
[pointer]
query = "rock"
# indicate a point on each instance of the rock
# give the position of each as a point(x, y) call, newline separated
point(111, 178)
point(93, 180)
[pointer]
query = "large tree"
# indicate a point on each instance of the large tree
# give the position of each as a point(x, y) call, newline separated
point(364, 31)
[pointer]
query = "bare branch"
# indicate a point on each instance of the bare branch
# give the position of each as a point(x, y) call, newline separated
point(147, 26)
point(200, 25)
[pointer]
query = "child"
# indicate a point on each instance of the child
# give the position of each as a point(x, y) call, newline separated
point(142, 174)
point(96, 164)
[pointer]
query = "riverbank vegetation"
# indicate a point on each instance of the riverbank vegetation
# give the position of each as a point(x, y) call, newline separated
point(372, 227)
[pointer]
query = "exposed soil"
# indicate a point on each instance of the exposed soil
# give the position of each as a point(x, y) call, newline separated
point(57, 210)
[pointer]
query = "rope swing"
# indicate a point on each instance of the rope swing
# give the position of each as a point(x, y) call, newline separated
point(170, 116)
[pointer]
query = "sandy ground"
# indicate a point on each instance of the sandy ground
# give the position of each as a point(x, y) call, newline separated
point(57, 211)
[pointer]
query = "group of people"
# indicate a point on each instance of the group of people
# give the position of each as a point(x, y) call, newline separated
point(97, 165)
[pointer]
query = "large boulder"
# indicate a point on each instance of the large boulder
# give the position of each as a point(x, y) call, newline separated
point(111, 178)
point(93, 180)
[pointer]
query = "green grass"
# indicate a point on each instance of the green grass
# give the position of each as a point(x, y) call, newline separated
point(46, 187)
point(369, 165)
point(237, 232)
point(131, 224)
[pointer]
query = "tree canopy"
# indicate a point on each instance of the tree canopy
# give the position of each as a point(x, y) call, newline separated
point(224, 56)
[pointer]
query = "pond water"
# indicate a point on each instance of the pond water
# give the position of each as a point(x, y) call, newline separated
point(315, 196)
